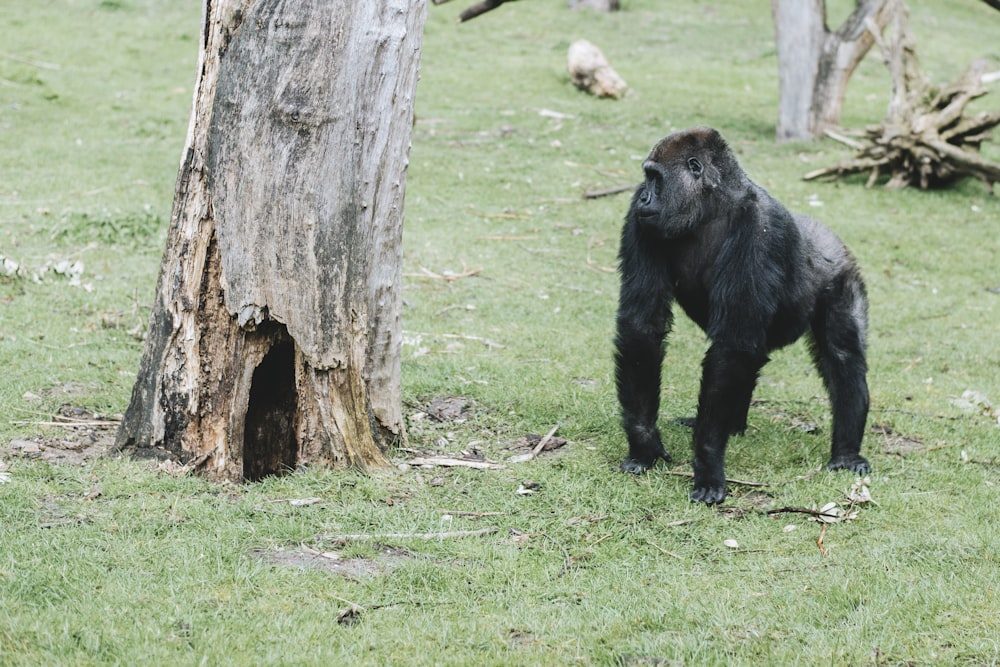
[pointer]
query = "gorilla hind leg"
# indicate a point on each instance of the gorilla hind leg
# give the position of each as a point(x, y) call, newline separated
point(839, 333)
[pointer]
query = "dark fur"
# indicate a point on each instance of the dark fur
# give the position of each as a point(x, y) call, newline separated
point(755, 278)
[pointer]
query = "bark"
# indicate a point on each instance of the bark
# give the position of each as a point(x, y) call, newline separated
point(275, 333)
point(815, 64)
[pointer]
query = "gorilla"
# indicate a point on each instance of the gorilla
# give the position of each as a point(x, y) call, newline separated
point(755, 278)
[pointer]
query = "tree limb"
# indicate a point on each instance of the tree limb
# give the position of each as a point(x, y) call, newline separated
point(476, 9)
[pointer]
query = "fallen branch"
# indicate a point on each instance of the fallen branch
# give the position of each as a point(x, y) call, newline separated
point(476, 9)
point(449, 462)
point(369, 537)
point(596, 194)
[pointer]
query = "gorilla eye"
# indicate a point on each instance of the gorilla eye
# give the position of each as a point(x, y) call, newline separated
point(695, 166)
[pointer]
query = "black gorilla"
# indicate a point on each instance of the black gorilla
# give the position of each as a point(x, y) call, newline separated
point(755, 278)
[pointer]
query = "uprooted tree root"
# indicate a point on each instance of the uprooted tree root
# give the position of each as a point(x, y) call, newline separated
point(926, 140)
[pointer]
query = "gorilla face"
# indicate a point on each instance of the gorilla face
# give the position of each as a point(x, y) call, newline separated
point(682, 174)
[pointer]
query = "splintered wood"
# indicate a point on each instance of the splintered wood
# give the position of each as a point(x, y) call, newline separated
point(926, 140)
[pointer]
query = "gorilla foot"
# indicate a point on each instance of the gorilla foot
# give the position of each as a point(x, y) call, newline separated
point(709, 494)
point(637, 466)
point(853, 462)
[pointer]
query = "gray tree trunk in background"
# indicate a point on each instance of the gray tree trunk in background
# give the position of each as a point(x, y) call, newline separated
point(275, 333)
point(814, 63)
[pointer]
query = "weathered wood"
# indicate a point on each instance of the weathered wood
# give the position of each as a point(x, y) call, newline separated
point(591, 72)
point(275, 333)
point(815, 64)
point(926, 140)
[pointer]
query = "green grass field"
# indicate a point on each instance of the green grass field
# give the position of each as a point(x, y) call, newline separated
point(108, 561)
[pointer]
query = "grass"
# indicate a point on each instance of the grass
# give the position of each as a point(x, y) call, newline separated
point(113, 562)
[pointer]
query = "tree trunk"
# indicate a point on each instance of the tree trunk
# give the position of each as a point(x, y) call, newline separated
point(275, 333)
point(814, 64)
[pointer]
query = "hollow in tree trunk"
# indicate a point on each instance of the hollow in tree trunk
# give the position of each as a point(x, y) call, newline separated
point(275, 333)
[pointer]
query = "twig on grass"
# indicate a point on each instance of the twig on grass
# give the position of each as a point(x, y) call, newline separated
point(596, 194)
point(819, 542)
point(478, 339)
point(447, 276)
point(820, 514)
point(341, 540)
point(471, 515)
point(740, 482)
point(521, 458)
point(662, 550)
point(28, 61)
point(93, 423)
point(449, 462)
point(497, 237)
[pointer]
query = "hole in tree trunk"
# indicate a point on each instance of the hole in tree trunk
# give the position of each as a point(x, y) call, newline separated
point(269, 446)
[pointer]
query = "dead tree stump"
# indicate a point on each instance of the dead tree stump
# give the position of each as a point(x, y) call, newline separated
point(275, 333)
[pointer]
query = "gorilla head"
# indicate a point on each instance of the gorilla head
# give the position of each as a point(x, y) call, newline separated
point(683, 175)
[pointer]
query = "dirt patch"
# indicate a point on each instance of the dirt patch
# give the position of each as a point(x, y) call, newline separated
point(530, 441)
point(897, 443)
point(448, 409)
point(73, 436)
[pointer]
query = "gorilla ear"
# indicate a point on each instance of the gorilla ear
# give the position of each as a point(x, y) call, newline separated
point(713, 177)
point(694, 164)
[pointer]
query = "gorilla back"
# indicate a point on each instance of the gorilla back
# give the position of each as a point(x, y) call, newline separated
point(755, 278)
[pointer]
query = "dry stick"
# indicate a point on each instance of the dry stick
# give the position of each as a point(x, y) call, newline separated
point(28, 61)
point(449, 462)
point(802, 510)
point(69, 424)
point(480, 8)
point(741, 482)
point(343, 539)
point(819, 542)
point(595, 194)
point(521, 458)
point(471, 515)
point(662, 550)
point(478, 339)
point(447, 277)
